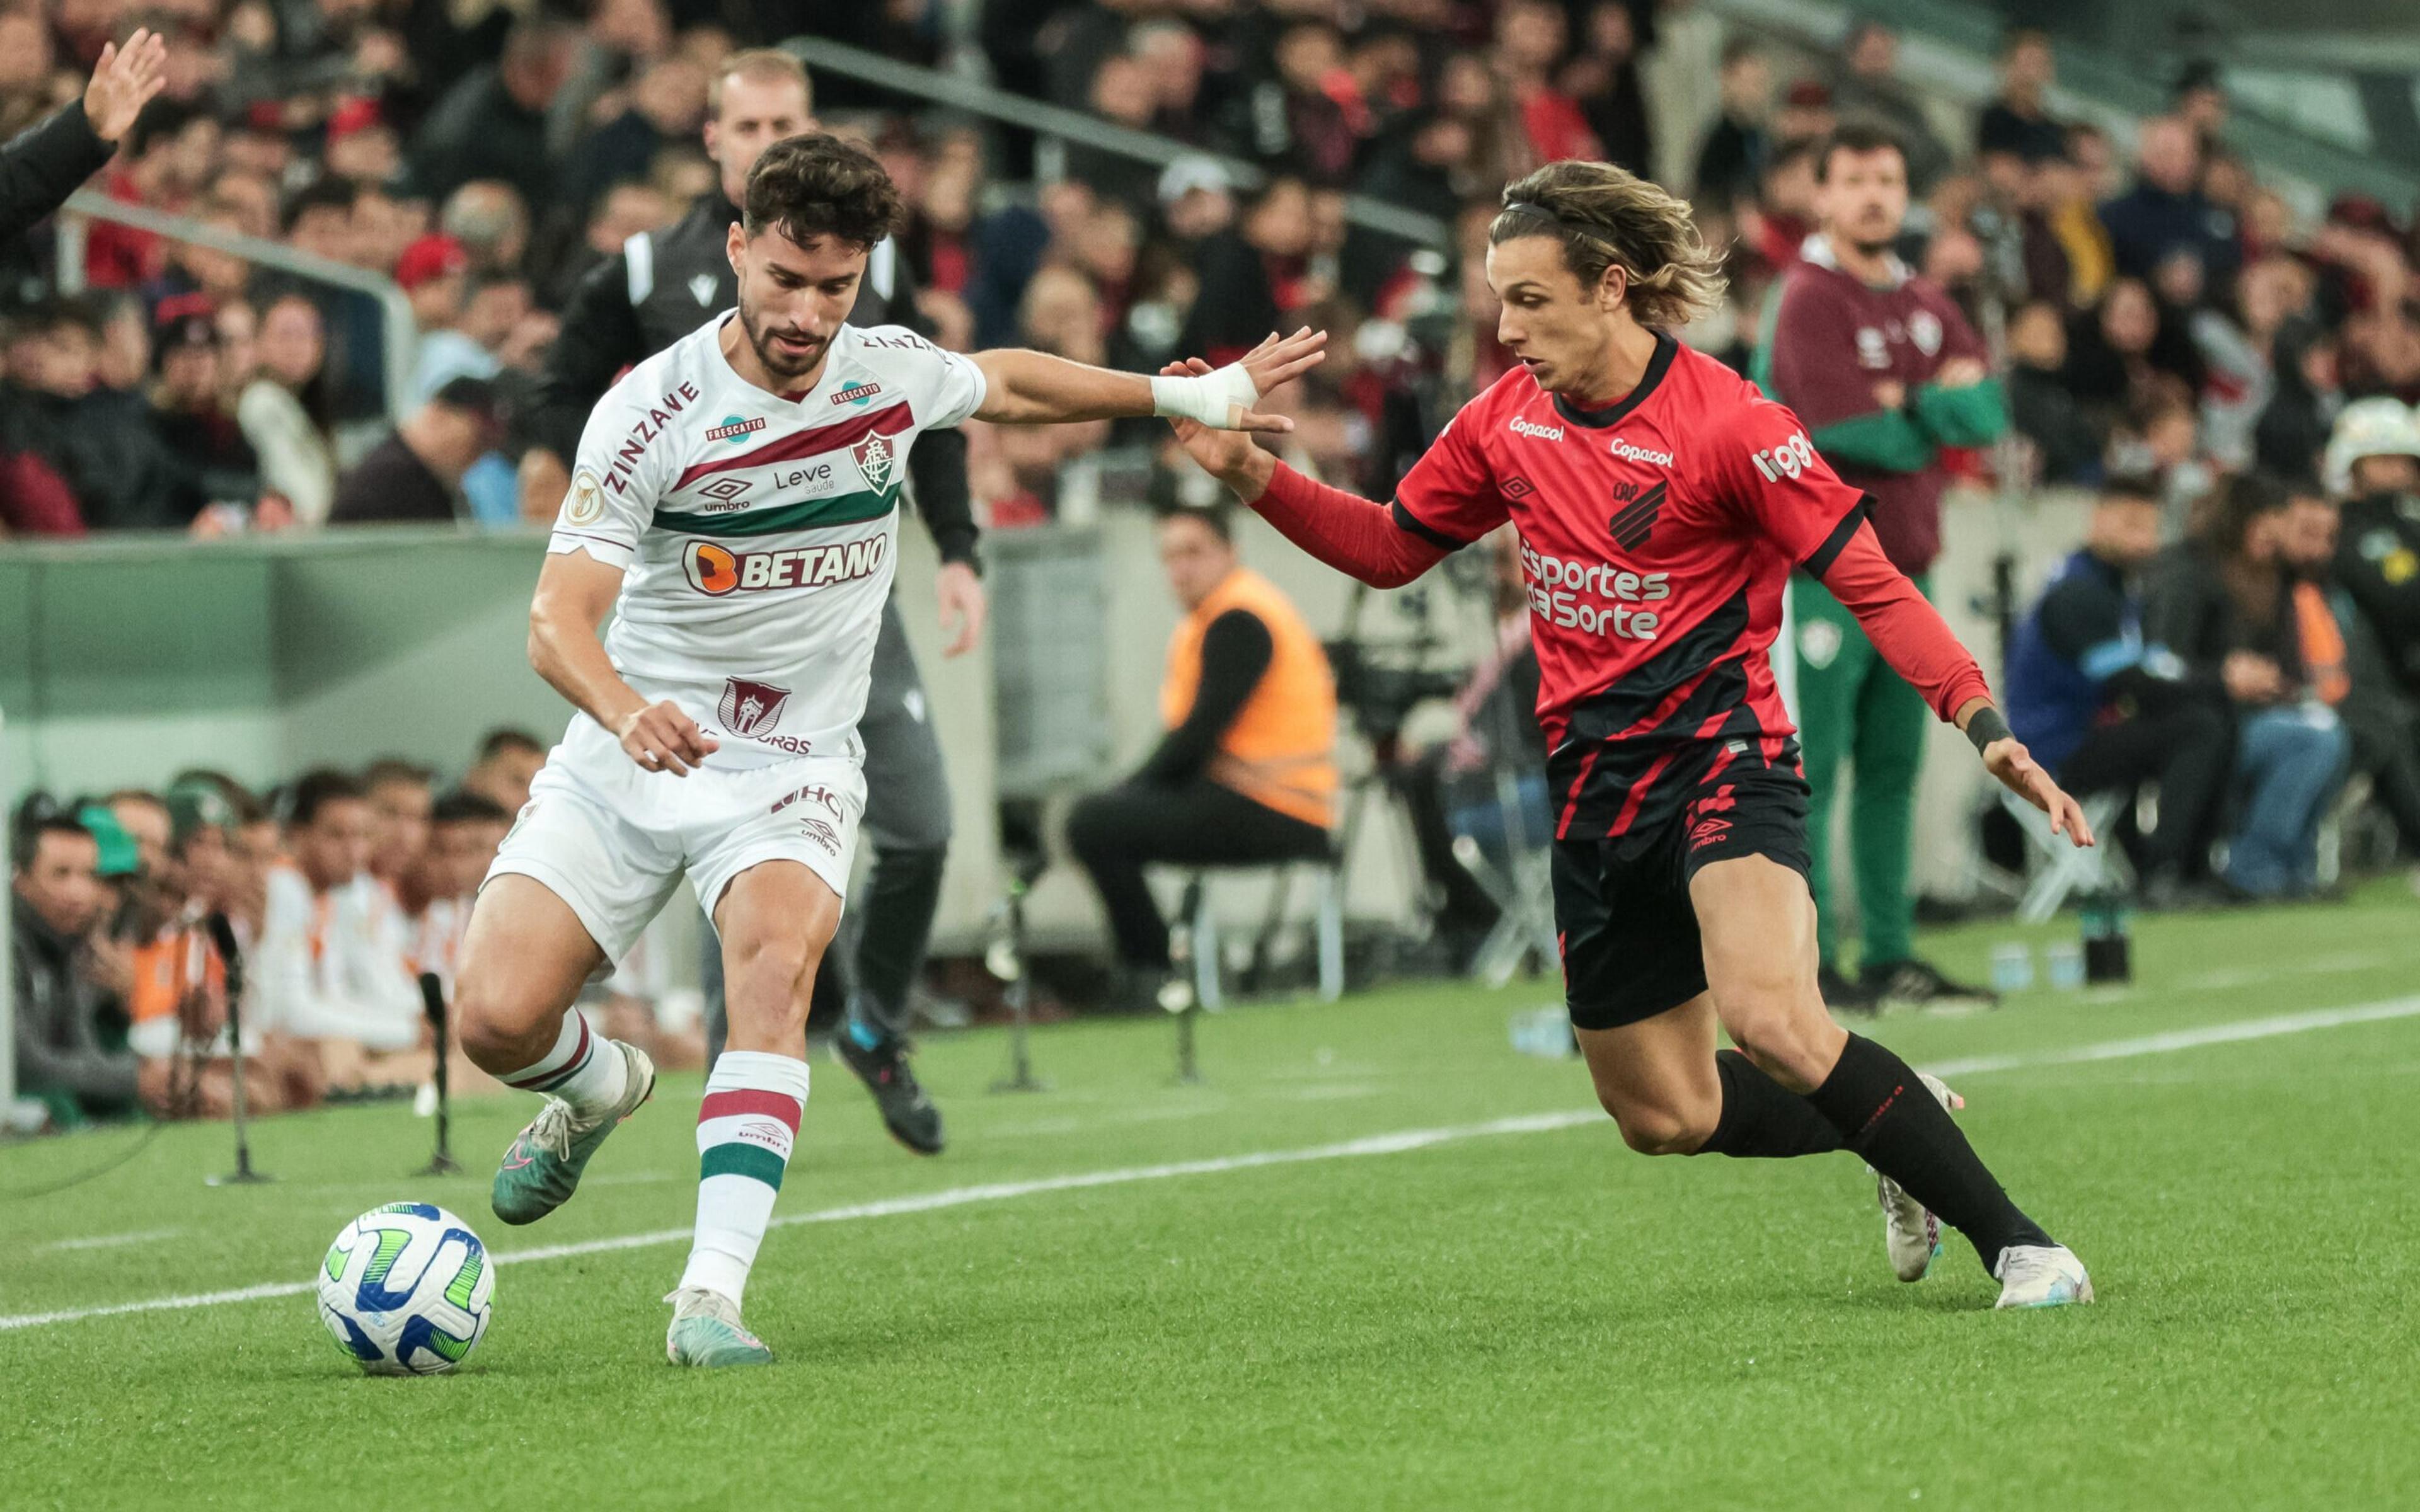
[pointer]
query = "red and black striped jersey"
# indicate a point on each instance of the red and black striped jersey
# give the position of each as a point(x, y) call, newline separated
point(1655, 537)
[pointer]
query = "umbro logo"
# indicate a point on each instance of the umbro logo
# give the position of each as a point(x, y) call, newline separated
point(1517, 488)
point(1633, 524)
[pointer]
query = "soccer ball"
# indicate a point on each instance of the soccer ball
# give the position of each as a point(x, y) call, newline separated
point(406, 1289)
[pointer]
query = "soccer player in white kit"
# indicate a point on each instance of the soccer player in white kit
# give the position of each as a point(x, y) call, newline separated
point(735, 502)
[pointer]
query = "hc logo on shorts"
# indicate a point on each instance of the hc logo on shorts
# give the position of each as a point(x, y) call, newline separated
point(748, 707)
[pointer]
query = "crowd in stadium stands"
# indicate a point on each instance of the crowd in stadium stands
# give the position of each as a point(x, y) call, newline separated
point(2177, 334)
point(335, 893)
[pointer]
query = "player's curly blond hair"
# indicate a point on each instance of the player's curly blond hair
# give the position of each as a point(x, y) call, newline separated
point(1605, 217)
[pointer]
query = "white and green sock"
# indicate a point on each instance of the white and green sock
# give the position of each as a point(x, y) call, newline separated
point(584, 1069)
point(745, 1129)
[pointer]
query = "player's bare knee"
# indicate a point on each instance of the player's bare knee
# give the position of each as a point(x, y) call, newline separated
point(497, 1033)
point(769, 981)
point(1783, 1040)
point(1660, 1128)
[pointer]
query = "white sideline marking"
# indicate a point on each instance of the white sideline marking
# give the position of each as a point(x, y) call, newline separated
point(1385, 1144)
point(2175, 1040)
point(112, 1241)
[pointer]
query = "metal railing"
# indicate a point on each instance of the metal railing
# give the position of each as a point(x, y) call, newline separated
point(399, 330)
point(1056, 123)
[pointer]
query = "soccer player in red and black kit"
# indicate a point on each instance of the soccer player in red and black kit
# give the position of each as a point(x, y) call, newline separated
point(1661, 502)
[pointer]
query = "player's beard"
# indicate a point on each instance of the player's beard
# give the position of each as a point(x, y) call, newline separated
point(783, 365)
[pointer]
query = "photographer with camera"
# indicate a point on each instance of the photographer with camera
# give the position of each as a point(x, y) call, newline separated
point(1245, 775)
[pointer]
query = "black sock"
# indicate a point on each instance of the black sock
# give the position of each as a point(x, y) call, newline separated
point(1886, 1114)
point(1763, 1119)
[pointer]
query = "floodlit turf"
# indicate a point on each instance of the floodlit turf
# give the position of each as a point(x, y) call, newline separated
point(1506, 1320)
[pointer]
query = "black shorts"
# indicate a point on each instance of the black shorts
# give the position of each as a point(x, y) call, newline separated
point(1622, 907)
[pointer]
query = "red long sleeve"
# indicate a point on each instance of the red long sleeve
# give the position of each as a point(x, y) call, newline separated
point(1347, 532)
point(1908, 631)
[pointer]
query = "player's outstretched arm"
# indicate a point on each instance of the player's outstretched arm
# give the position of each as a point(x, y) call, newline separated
point(1028, 388)
point(1348, 532)
point(1917, 641)
point(574, 592)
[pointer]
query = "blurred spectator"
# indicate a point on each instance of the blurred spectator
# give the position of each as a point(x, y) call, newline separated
point(100, 442)
point(1782, 216)
point(62, 1057)
point(1122, 94)
point(1867, 85)
point(177, 1002)
point(1246, 773)
point(667, 104)
point(1731, 164)
point(2373, 463)
point(360, 146)
point(2067, 448)
point(508, 760)
point(1530, 36)
point(434, 273)
point(2293, 430)
point(2223, 602)
point(2017, 123)
point(190, 409)
point(415, 474)
point(2166, 212)
point(2239, 349)
point(400, 795)
point(2199, 101)
point(1805, 114)
point(2116, 354)
point(1252, 277)
point(435, 889)
point(2348, 667)
point(490, 221)
point(2063, 191)
point(329, 964)
point(282, 410)
point(1603, 75)
point(492, 123)
point(2107, 709)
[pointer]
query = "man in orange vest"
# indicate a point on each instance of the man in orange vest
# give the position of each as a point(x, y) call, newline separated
point(1246, 773)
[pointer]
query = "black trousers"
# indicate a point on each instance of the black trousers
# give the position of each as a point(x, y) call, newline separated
point(1115, 834)
point(2188, 750)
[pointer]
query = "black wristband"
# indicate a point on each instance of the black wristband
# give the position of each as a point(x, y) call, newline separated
point(1986, 727)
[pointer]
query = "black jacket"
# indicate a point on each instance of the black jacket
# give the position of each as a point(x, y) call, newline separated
point(667, 283)
point(58, 1020)
point(2378, 560)
point(42, 165)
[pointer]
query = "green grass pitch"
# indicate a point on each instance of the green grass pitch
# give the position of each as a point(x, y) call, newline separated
point(1513, 1311)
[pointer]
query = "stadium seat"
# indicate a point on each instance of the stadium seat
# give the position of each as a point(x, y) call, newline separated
point(2056, 868)
point(1201, 923)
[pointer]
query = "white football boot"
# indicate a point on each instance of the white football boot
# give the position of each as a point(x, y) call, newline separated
point(1910, 1231)
point(2041, 1275)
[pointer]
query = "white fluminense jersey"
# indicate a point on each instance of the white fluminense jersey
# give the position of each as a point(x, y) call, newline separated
point(760, 529)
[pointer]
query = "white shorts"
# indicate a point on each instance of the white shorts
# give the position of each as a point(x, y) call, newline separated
point(613, 841)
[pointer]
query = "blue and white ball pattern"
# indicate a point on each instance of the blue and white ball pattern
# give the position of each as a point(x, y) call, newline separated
point(407, 1290)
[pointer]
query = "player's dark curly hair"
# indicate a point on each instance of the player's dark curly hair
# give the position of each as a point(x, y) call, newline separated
point(1606, 216)
point(817, 185)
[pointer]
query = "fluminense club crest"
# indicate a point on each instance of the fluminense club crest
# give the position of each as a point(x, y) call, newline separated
point(875, 456)
point(747, 707)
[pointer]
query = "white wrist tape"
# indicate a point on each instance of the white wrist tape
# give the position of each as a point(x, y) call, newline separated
point(1217, 399)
